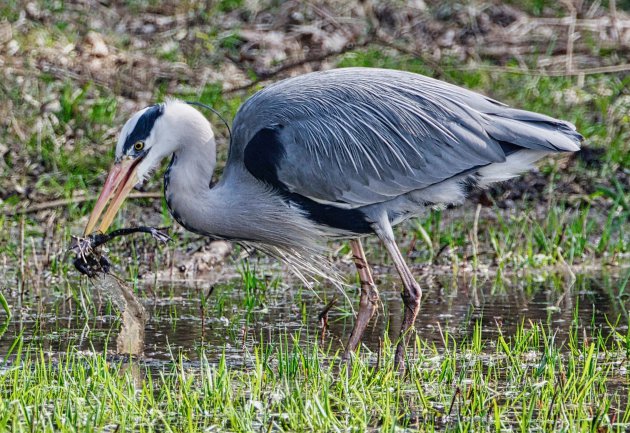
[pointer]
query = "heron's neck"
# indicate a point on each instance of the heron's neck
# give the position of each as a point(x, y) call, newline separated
point(188, 176)
point(240, 208)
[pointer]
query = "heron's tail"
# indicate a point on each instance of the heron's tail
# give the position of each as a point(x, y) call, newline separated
point(518, 129)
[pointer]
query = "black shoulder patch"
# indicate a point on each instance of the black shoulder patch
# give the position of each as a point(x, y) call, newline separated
point(144, 126)
point(263, 155)
point(350, 220)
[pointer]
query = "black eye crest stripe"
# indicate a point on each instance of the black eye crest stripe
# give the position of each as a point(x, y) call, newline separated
point(144, 126)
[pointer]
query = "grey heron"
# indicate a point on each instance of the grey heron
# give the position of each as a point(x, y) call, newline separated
point(343, 153)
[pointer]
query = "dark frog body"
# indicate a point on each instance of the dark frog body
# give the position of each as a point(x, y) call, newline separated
point(90, 261)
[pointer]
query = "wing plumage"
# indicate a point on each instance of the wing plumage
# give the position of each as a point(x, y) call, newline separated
point(354, 137)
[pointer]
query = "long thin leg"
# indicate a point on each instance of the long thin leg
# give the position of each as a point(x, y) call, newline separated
point(369, 297)
point(411, 294)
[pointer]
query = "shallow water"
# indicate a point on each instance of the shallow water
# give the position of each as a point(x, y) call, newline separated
point(234, 318)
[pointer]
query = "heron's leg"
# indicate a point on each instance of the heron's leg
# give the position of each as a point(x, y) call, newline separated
point(369, 297)
point(411, 294)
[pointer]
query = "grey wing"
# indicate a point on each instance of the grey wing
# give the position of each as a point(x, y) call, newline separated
point(354, 137)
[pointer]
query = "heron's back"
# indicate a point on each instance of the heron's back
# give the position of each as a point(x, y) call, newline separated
point(365, 139)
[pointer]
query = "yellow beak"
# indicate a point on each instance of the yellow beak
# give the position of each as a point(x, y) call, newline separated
point(121, 178)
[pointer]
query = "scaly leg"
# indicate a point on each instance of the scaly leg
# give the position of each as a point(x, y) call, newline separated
point(411, 294)
point(369, 297)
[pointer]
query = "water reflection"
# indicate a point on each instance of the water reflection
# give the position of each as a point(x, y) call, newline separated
point(232, 318)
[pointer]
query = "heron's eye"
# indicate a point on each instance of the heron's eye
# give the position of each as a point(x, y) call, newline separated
point(138, 145)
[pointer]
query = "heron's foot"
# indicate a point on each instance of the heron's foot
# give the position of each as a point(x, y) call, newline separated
point(368, 305)
point(411, 296)
point(369, 297)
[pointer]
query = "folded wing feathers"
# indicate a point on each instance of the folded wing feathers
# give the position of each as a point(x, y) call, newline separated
point(362, 136)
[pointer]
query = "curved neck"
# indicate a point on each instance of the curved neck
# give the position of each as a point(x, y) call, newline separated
point(238, 208)
point(188, 176)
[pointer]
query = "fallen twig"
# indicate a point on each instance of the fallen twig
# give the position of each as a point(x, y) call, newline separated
point(38, 207)
point(549, 73)
point(265, 75)
point(323, 316)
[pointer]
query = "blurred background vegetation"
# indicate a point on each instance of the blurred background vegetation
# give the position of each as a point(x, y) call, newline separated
point(72, 72)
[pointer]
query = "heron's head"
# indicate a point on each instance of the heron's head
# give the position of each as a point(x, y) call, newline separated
point(148, 137)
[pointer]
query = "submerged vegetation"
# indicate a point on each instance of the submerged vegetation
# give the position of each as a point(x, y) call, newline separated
point(527, 381)
point(524, 324)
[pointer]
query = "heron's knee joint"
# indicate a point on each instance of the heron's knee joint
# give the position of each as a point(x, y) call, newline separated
point(411, 298)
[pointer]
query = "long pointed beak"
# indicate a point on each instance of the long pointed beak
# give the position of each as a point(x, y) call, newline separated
point(121, 178)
